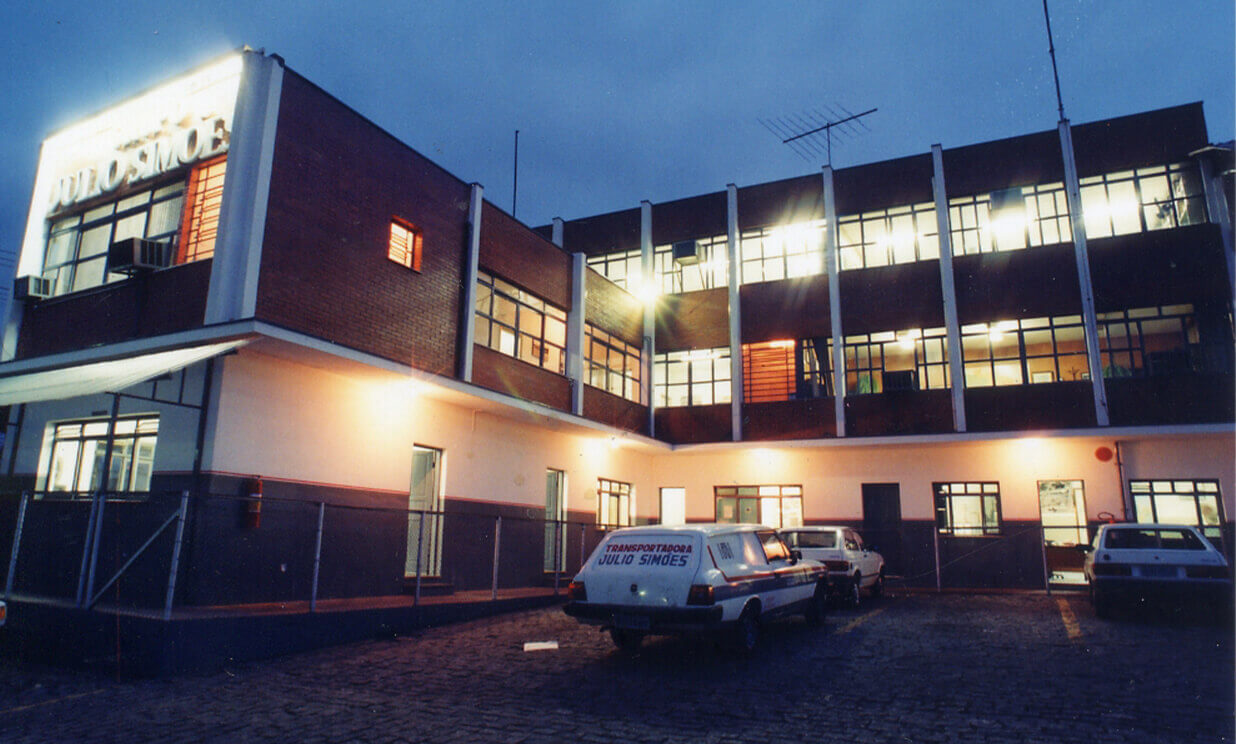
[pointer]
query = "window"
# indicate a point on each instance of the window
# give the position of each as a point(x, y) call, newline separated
point(74, 453)
point(914, 359)
point(613, 364)
point(772, 506)
point(965, 509)
point(1151, 340)
point(1192, 502)
point(786, 370)
point(621, 268)
point(615, 503)
point(1010, 219)
point(783, 252)
point(202, 204)
point(1154, 198)
point(774, 548)
point(76, 256)
point(404, 247)
point(691, 378)
point(1017, 352)
point(708, 269)
point(519, 324)
point(1129, 539)
point(889, 236)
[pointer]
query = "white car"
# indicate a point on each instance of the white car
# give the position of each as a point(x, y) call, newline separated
point(852, 566)
point(1168, 561)
point(697, 577)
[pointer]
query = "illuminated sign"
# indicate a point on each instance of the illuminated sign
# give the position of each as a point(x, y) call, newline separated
point(158, 155)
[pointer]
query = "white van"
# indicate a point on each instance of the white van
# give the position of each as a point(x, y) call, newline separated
point(695, 577)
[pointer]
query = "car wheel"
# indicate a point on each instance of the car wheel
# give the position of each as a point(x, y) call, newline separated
point(627, 641)
point(877, 589)
point(817, 607)
point(747, 633)
point(856, 591)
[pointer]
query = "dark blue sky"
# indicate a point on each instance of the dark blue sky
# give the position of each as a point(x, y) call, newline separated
point(618, 102)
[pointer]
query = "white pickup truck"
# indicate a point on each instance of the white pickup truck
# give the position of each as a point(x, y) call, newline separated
point(697, 577)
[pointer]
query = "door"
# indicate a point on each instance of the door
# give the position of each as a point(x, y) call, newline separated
point(882, 523)
point(673, 506)
point(555, 521)
point(1062, 508)
point(425, 514)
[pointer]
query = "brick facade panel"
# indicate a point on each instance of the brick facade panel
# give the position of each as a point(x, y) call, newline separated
point(504, 374)
point(336, 183)
point(615, 411)
point(517, 254)
point(695, 320)
point(612, 309)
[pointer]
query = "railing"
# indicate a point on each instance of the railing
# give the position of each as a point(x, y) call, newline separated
point(177, 550)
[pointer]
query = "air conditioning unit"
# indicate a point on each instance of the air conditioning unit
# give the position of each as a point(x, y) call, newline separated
point(31, 288)
point(903, 380)
point(135, 255)
point(686, 252)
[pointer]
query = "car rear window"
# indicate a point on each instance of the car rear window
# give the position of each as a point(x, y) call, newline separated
point(811, 539)
point(1153, 540)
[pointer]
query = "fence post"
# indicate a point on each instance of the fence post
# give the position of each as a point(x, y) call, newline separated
point(420, 538)
point(1043, 546)
point(317, 557)
point(94, 545)
point(21, 521)
point(559, 564)
point(935, 533)
point(497, 549)
point(171, 574)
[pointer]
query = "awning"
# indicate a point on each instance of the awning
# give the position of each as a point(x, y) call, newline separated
point(98, 377)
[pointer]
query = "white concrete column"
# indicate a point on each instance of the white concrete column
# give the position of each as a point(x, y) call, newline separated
point(468, 311)
point(1216, 208)
point(575, 334)
point(556, 234)
point(647, 294)
point(1072, 189)
point(834, 299)
point(246, 192)
point(732, 254)
point(956, 371)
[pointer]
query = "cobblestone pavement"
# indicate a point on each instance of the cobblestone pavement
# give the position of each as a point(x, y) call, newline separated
point(918, 668)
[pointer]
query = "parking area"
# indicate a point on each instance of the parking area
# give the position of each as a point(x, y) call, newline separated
point(907, 668)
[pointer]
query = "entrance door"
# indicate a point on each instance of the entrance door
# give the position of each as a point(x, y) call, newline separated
point(555, 521)
point(1062, 507)
point(882, 523)
point(425, 514)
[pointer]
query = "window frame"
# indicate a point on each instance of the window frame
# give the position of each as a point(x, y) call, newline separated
point(1196, 488)
point(862, 236)
point(405, 244)
point(761, 495)
point(611, 496)
point(943, 499)
point(524, 305)
point(629, 355)
point(125, 445)
point(863, 363)
point(980, 343)
point(719, 380)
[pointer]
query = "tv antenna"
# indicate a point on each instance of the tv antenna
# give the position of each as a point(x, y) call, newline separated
point(810, 133)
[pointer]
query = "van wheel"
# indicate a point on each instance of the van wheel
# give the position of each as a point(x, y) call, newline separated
point(817, 607)
point(747, 633)
point(856, 591)
point(627, 641)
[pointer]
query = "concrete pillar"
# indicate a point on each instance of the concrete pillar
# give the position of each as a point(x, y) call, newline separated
point(732, 255)
point(956, 371)
point(575, 334)
point(834, 299)
point(469, 279)
point(648, 291)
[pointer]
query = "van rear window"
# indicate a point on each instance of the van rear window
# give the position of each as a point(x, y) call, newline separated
point(811, 539)
point(1153, 540)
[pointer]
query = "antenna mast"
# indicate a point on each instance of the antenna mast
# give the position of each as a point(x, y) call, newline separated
point(798, 130)
point(1051, 49)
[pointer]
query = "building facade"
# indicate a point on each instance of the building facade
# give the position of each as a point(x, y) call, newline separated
point(233, 284)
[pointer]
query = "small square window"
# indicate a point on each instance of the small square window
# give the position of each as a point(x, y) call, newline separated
point(405, 245)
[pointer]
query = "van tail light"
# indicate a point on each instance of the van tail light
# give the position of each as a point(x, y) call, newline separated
point(1207, 572)
point(1112, 569)
point(576, 592)
point(700, 595)
point(842, 566)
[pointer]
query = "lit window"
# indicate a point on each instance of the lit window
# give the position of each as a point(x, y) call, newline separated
point(201, 218)
point(621, 268)
point(691, 378)
point(1026, 351)
point(699, 264)
point(613, 365)
point(967, 509)
point(913, 359)
point(772, 505)
point(519, 324)
point(1193, 502)
point(889, 236)
point(74, 452)
point(1154, 198)
point(786, 370)
point(405, 245)
point(615, 503)
point(782, 252)
point(1150, 341)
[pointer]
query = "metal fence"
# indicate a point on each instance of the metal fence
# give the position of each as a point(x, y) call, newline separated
point(183, 549)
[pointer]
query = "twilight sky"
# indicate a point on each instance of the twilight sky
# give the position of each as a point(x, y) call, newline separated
point(618, 102)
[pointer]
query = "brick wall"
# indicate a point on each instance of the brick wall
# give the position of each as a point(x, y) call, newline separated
point(695, 320)
point(153, 304)
point(517, 254)
point(613, 410)
point(336, 183)
point(505, 374)
point(612, 309)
